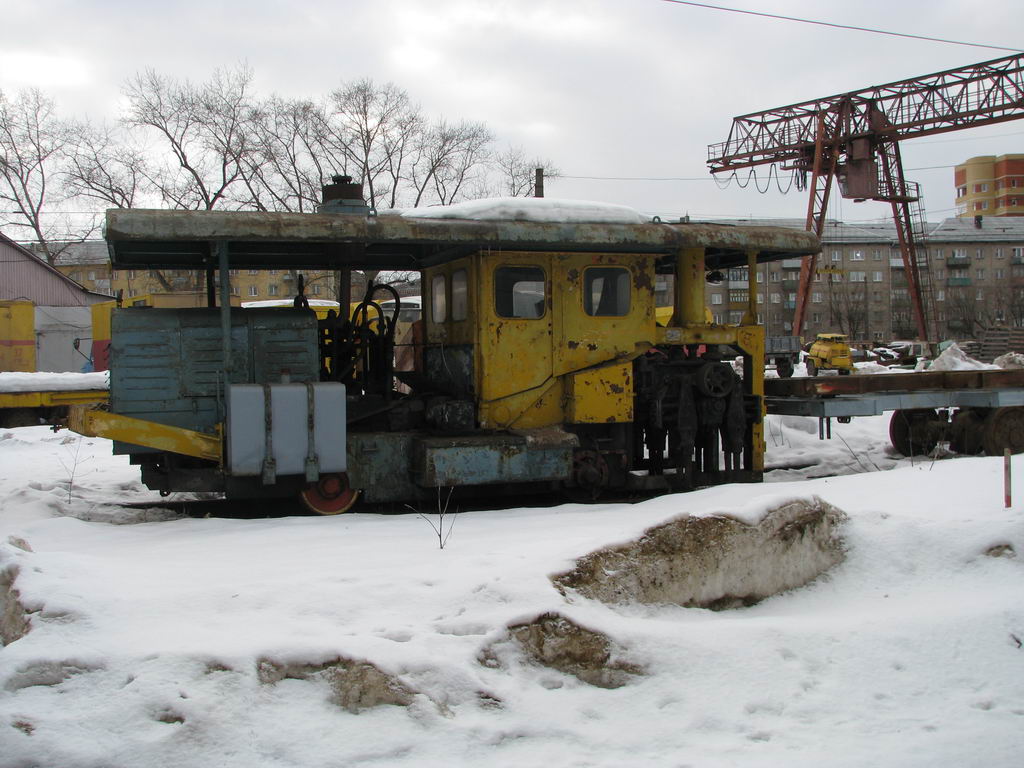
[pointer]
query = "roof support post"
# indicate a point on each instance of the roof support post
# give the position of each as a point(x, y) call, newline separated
point(689, 288)
point(221, 248)
point(751, 317)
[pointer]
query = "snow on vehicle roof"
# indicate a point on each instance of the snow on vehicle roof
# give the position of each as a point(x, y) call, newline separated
point(287, 303)
point(540, 209)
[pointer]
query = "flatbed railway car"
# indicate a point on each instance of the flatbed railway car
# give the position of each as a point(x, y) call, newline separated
point(539, 362)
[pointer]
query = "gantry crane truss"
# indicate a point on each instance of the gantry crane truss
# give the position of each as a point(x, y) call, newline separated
point(854, 138)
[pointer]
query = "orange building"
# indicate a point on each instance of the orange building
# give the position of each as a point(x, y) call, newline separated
point(990, 186)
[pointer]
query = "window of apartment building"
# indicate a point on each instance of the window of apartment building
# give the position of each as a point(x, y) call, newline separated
point(837, 256)
point(132, 292)
point(937, 252)
point(791, 297)
point(233, 272)
point(961, 191)
point(982, 206)
point(717, 319)
point(816, 298)
point(940, 295)
point(113, 275)
point(981, 187)
point(1017, 271)
point(254, 271)
point(273, 272)
point(760, 277)
point(1000, 274)
point(857, 256)
point(1014, 182)
point(760, 298)
point(942, 317)
point(858, 277)
point(940, 274)
point(876, 277)
point(776, 298)
point(131, 274)
point(272, 289)
point(760, 319)
point(775, 276)
point(876, 255)
point(1013, 201)
point(254, 291)
point(817, 276)
point(979, 274)
point(1017, 253)
point(716, 298)
point(735, 318)
point(316, 290)
point(737, 297)
point(835, 277)
point(815, 317)
point(959, 253)
point(979, 253)
point(979, 294)
point(998, 253)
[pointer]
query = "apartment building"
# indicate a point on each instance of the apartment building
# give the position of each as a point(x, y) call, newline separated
point(990, 186)
point(972, 269)
point(88, 264)
point(972, 272)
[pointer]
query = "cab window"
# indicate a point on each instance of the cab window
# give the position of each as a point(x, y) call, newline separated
point(438, 299)
point(460, 295)
point(606, 291)
point(519, 292)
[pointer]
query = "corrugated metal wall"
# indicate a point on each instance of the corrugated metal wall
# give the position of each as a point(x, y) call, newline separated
point(23, 277)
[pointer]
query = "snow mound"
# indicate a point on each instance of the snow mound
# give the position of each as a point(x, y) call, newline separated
point(1010, 360)
point(554, 641)
point(955, 359)
point(536, 209)
point(715, 562)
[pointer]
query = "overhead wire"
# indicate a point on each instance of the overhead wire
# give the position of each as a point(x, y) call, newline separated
point(851, 27)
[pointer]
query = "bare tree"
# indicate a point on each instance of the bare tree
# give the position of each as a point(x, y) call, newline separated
point(518, 173)
point(376, 125)
point(848, 306)
point(205, 128)
point(289, 163)
point(101, 167)
point(448, 155)
point(32, 140)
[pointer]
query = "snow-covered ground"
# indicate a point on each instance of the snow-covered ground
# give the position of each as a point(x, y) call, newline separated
point(150, 638)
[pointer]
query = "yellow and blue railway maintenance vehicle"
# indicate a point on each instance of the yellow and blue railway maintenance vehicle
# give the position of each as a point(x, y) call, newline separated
point(539, 362)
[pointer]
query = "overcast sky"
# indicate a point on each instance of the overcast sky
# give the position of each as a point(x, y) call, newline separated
point(608, 88)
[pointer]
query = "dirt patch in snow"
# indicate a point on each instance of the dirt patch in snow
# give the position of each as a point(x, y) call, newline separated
point(355, 685)
point(554, 641)
point(14, 623)
point(714, 562)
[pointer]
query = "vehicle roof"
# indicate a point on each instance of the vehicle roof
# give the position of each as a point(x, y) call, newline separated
point(174, 239)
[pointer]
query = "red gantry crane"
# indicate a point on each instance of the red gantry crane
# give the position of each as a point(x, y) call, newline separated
point(854, 137)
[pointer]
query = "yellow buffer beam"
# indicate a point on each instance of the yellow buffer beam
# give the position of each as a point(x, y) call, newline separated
point(150, 434)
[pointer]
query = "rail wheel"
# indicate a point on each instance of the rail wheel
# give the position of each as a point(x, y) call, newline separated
point(330, 495)
point(590, 475)
point(1003, 428)
point(968, 432)
point(715, 379)
point(911, 432)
